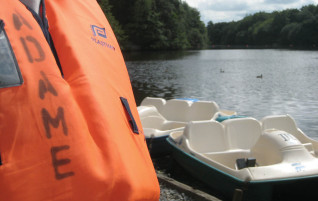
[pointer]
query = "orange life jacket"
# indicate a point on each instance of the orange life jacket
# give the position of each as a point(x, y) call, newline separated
point(72, 138)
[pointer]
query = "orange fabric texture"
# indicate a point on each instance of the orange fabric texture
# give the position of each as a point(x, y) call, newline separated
point(70, 138)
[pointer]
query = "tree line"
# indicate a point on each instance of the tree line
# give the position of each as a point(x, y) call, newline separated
point(287, 28)
point(155, 24)
point(174, 25)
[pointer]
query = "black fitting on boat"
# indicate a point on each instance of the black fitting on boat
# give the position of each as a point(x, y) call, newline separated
point(244, 163)
point(240, 163)
point(250, 162)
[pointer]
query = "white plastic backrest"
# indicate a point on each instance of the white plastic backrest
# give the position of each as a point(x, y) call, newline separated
point(176, 110)
point(206, 136)
point(242, 132)
point(155, 122)
point(157, 102)
point(282, 122)
point(145, 111)
point(202, 110)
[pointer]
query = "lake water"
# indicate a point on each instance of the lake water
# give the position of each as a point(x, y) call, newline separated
point(289, 83)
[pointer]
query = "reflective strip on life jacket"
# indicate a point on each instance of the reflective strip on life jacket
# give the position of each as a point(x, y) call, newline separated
point(70, 138)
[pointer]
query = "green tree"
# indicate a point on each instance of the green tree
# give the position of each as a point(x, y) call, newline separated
point(195, 28)
point(292, 26)
point(290, 34)
point(146, 28)
point(159, 24)
point(171, 13)
point(119, 32)
point(262, 33)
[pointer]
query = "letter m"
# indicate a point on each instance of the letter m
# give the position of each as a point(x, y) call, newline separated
point(55, 122)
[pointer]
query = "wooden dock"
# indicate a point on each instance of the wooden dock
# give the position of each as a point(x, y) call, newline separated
point(183, 188)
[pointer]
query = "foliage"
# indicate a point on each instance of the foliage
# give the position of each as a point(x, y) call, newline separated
point(291, 27)
point(105, 6)
point(155, 24)
point(174, 25)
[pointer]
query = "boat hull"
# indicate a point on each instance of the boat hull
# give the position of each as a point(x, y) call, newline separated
point(302, 188)
point(158, 146)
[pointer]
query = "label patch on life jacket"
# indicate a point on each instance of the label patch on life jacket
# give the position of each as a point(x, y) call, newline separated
point(98, 31)
point(99, 37)
point(10, 74)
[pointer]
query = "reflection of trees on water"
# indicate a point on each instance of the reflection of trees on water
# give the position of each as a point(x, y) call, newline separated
point(154, 78)
point(142, 90)
point(157, 55)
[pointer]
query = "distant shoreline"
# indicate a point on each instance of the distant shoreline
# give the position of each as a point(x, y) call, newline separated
point(225, 47)
point(291, 47)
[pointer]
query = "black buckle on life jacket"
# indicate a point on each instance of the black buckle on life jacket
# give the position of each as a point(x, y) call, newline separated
point(131, 117)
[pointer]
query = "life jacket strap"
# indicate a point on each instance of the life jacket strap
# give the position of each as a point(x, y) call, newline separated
point(131, 120)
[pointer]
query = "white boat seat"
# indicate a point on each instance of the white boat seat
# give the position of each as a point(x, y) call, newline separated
point(309, 146)
point(206, 136)
point(176, 110)
point(242, 132)
point(146, 111)
point(183, 110)
point(285, 123)
point(159, 126)
point(160, 117)
point(228, 157)
point(170, 125)
point(155, 122)
point(152, 133)
point(279, 122)
point(202, 110)
point(288, 124)
point(157, 102)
